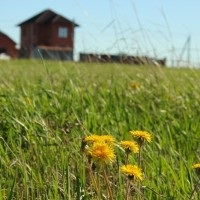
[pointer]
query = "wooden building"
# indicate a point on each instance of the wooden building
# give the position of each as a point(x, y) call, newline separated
point(123, 59)
point(7, 46)
point(47, 35)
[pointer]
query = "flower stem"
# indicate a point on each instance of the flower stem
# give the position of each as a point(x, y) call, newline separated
point(127, 189)
point(139, 163)
point(107, 183)
point(93, 180)
point(140, 156)
point(126, 162)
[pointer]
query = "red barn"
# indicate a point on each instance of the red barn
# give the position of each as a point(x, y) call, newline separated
point(47, 35)
point(7, 46)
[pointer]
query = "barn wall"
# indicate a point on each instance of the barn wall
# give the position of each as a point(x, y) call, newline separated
point(43, 34)
point(33, 35)
point(62, 42)
point(9, 46)
point(28, 40)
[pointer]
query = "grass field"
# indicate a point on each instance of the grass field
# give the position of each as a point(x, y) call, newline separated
point(47, 108)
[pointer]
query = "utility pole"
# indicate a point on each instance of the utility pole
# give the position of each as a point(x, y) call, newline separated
point(187, 46)
point(189, 49)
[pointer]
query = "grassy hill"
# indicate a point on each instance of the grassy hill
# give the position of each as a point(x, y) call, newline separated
point(47, 108)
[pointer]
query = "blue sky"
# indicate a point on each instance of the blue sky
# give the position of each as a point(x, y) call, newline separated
point(157, 28)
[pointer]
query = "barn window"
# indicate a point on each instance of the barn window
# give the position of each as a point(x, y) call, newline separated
point(62, 32)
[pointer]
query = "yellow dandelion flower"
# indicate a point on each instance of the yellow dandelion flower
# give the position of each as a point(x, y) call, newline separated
point(101, 152)
point(142, 136)
point(89, 140)
point(99, 138)
point(107, 139)
point(134, 85)
point(92, 138)
point(130, 146)
point(132, 171)
point(197, 168)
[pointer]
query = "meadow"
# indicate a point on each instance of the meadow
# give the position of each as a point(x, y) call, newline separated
point(48, 107)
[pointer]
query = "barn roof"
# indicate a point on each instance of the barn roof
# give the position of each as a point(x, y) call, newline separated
point(4, 35)
point(47, 16)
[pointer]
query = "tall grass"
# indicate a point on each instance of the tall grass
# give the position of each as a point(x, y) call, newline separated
point(46, 108)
